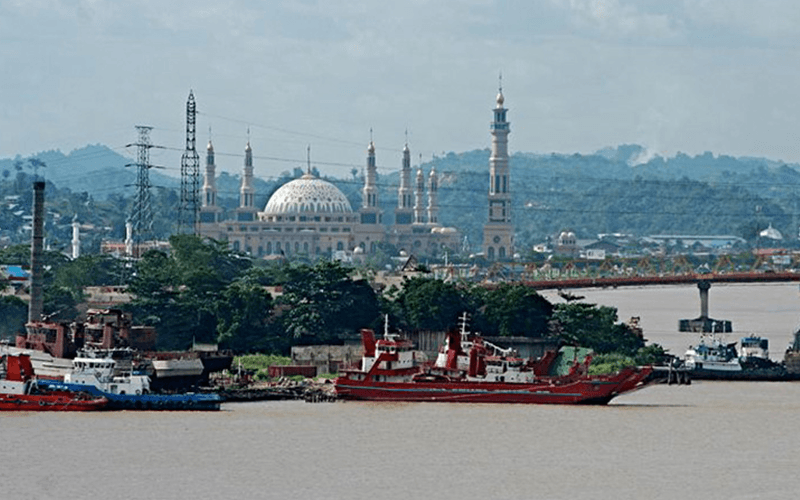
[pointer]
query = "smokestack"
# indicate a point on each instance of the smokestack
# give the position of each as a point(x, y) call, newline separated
point(37, 246)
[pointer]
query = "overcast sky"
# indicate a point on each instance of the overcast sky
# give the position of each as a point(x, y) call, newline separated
point(577, 75)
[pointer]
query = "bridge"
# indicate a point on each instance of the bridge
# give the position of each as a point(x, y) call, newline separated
point(562, 283)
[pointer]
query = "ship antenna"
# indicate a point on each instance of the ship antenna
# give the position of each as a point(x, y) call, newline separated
point(464, 319)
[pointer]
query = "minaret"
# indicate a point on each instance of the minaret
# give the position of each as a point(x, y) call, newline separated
point(419, 214)
point(129, 238)
point(498, 233)
point(404, 213)
point(210, 179)
point(371, 231)
point(76, 238)
point(247, 208)
point(209, 211)
point(433, 186)
point(370, 199)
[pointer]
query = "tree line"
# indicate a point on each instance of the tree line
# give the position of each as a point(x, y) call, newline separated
point(203, 291)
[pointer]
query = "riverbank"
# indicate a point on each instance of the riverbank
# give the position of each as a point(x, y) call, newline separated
point(310, 390)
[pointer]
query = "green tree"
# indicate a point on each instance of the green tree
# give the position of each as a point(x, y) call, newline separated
point(323, 302)
point(596, 327)
point(178, 292)
point(430, 304)
point(90, 270)
point(243, 313)
point(515, 310)
point(13, 315)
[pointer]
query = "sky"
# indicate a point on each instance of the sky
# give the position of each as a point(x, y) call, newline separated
point(577, 75)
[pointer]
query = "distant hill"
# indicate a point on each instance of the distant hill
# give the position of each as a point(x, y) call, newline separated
point(96, 169)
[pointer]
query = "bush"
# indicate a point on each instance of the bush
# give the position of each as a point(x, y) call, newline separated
point(609, 363)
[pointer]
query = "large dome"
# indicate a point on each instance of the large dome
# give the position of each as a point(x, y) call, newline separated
point(308, 194)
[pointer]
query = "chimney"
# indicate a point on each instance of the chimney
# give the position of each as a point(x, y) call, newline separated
point(37, 244)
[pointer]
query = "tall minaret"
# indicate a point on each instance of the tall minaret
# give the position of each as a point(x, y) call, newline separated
point(498, 233)
point(209, 211)
point(433, 208)
point(129, 238)
point(210, 179)
point(76, 237)
point(370, 199)
point(404, 214)
point(247, 208)
point(371, 231)
point(419, 214)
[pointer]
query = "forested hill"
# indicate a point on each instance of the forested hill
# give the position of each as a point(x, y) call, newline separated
point(622, 189)
point(613, 191)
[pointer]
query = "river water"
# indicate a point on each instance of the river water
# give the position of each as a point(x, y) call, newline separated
point(709, 440)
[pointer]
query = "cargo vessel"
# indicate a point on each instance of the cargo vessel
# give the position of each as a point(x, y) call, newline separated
point(470, 370)
point(96, 373)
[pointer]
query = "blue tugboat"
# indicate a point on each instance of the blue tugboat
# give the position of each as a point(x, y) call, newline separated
point(95, 373)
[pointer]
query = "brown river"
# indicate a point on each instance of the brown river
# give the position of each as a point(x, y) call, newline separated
point(709, 440)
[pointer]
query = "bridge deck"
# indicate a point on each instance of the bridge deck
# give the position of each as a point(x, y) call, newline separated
point(678, 279)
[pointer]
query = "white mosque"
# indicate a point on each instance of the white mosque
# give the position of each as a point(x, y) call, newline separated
point(309, 216)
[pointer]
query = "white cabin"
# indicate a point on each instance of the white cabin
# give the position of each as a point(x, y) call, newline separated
point(99, 372)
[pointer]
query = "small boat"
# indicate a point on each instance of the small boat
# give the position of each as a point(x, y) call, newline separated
point(19, 391)
point(714, 359)
point(475, 372)
point(96, 372)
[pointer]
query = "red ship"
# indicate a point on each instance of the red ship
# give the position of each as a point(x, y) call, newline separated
point(471, 370)
point(18, 391)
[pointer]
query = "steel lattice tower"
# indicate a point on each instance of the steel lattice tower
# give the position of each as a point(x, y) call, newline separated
point(189, 210)
point(142, 214)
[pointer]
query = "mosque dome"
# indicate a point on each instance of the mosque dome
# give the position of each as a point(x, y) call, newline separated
point(500, 99)
point(308, 194)
point(771, 233)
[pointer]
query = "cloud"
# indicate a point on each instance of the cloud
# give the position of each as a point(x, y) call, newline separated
point(620, 20)
point(773, 20)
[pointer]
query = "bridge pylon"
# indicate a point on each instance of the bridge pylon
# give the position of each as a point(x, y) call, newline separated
point(704, 324)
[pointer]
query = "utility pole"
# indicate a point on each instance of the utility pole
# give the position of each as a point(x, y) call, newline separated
point(189, 210)
point(142, 214)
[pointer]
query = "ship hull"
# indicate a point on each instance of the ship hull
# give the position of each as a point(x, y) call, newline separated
point(49, 402)
point(777, 374)
point(166, 402)
point(586, 390)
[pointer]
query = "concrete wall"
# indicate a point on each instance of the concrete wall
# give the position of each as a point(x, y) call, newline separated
point(327, 358)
